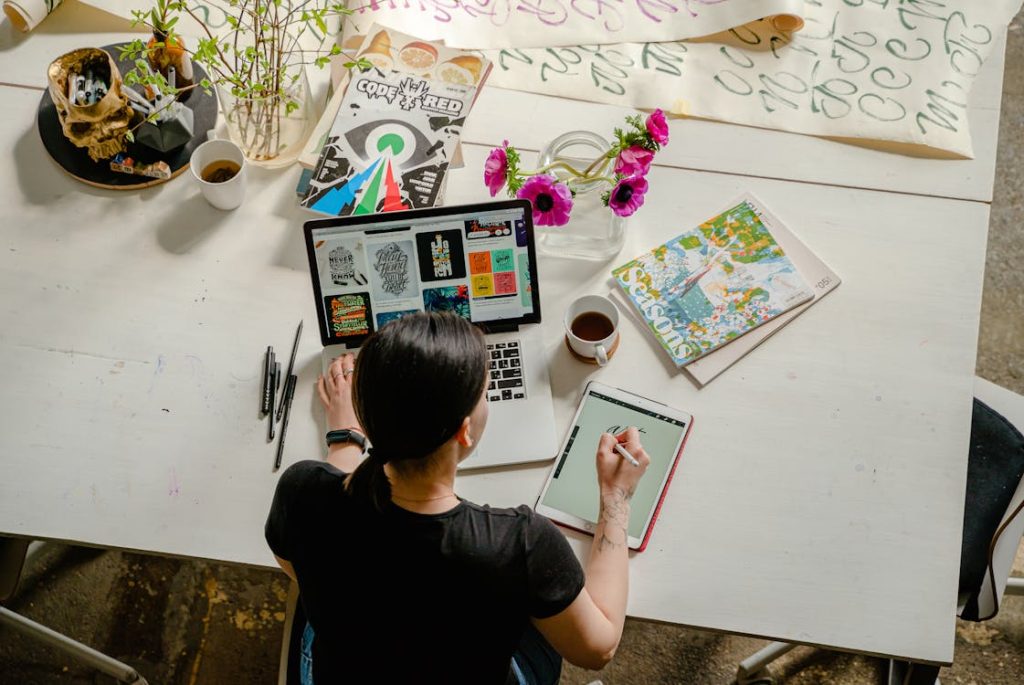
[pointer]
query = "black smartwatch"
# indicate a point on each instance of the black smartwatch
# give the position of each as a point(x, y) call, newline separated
point(346, 435)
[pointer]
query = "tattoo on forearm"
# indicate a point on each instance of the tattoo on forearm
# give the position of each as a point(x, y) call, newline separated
point(615, 516)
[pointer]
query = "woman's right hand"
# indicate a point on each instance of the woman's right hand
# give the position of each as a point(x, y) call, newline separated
point(614, 472)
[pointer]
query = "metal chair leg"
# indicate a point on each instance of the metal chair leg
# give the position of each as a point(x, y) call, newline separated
point(909, 673)
point(99, 661)
point(1014, 586)
point(34, 549)
point(751, 669)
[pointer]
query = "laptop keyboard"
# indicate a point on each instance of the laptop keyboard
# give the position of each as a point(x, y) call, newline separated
point(506, 369)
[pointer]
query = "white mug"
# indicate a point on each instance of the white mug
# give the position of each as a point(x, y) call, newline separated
point(227, 194)
point(589, 347)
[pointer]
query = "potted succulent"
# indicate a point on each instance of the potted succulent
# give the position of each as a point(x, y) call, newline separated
point(257, 66)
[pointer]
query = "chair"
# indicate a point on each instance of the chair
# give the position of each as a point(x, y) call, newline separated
point(993, 528)
point(294, 626)
point(15, 555)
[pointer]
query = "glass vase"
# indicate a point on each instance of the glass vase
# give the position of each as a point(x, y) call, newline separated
point(270, 130)
point(594, 231)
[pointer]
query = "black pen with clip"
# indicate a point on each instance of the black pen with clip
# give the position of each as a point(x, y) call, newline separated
point(275, 380)
point(268, 371)
point(286, 399)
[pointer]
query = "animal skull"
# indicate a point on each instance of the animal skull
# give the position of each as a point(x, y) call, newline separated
point(100, 128)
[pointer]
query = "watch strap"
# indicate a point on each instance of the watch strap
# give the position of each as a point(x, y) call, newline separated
point(346, 435)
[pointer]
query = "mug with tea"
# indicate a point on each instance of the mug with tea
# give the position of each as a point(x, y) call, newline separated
point(218, 166)
point(592, 328)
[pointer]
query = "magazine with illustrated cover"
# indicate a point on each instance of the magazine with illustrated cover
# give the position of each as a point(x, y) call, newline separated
point(388, 49)
point(390, 146)
point(815, 271)
point(712, 284)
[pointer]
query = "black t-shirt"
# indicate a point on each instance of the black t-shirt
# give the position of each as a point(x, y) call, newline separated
point(401, 597)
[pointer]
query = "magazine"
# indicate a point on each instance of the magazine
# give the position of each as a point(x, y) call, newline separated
point(390, 146)
point(712, 284)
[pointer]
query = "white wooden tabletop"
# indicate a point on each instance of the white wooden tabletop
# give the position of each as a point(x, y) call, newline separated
point(820, 497)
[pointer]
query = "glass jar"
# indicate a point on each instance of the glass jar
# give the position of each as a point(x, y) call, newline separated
point(594, 231)
point(171, 53)
point(270, 130)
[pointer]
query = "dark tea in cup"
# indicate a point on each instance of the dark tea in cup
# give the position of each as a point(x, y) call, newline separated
point(220, 171)
point(592, 326)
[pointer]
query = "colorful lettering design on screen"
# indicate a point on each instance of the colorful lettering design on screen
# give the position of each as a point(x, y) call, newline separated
point(441, 255)
point(494, 273)
point(349, 315)
point(480, 229)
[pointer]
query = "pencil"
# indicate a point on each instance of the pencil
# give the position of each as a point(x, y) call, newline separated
point(291, 367)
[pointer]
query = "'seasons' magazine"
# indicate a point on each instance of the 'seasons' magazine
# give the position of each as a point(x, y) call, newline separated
point(712, 284)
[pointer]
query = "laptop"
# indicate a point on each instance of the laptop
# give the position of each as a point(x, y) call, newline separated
point(478, 261)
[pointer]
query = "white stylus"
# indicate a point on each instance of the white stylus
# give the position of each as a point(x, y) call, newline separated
point(626, 455)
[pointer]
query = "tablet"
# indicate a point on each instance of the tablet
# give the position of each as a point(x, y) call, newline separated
point(571, 498)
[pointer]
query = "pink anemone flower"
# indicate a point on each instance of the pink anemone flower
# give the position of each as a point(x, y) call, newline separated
point(496, 169)
point(657, 127)
point(628, 195)
point(551, 200)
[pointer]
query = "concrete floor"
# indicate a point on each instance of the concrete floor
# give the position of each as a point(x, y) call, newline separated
point(184, 622)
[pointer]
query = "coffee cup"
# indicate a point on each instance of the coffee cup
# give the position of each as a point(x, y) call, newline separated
point(218, 167)
point(592, 328)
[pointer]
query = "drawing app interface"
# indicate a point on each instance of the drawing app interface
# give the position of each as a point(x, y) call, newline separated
point(574, 487)
point(475, 265)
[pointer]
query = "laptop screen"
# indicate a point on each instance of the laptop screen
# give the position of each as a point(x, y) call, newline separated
point(475, 260)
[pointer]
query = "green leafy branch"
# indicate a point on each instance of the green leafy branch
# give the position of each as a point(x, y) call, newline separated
point(260, 56)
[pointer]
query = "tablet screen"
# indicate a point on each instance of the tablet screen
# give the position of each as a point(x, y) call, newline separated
point(573, 488)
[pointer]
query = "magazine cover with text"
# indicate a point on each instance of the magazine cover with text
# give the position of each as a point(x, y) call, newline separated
point(390, 146)
point(712, 284)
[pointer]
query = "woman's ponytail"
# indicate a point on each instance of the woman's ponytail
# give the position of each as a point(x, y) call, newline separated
point(369, 483)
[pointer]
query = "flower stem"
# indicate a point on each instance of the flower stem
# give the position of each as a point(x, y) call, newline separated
point(557, 164)
point(595, 167)
point(601, 162)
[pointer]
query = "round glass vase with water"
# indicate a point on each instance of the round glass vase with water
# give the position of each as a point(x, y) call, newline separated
point(271, 130)
point(594, 231)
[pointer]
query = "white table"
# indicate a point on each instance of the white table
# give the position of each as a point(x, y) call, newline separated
point(819, 499)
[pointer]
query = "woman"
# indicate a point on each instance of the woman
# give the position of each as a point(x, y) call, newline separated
point(404, 582)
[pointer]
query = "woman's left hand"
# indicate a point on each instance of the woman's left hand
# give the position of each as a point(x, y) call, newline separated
point(336, 394)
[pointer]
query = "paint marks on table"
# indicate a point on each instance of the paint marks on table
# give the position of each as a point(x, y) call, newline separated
point(174, 487)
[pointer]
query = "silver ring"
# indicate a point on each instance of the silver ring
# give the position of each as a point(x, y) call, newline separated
point(348, 372)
